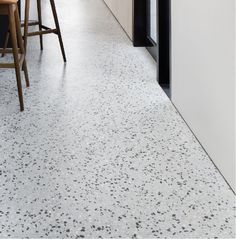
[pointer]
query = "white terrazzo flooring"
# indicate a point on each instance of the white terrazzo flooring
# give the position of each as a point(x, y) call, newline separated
point(99, 150)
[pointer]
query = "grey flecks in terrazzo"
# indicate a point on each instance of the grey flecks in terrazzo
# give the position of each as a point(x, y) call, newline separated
point(100, 151)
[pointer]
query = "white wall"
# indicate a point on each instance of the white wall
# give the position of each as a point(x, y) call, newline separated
point(33, 10)
point(123, 11)
point(203, 75)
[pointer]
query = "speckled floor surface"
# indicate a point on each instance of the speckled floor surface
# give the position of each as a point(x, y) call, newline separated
point(100, 151)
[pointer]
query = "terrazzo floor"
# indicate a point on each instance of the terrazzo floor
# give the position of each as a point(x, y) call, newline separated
point(99, 150)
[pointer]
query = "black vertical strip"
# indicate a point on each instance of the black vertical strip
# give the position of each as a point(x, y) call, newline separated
point(140, 23)
point(4, 26)
point(164, 42)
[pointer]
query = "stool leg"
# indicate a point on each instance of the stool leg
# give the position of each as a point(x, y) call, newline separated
point(21, 45)
point(40, 23)
point(15, 53)
point(26, 23)
point(58, 29)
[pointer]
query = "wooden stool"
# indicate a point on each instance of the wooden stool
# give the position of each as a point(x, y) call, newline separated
point(10, 8)
point(42, 28)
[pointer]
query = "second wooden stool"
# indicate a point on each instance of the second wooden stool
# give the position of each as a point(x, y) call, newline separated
point(42, 28)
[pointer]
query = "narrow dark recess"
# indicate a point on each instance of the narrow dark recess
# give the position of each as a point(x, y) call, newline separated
point(4, 27)
point(164, 42)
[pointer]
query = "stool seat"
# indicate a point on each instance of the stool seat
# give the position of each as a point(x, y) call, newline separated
point(8, 1)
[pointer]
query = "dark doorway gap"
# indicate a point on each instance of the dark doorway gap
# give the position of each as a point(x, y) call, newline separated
point(4, 26)
point(160, 50)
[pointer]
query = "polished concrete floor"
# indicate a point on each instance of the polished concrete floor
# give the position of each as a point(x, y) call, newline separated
point(99, 150)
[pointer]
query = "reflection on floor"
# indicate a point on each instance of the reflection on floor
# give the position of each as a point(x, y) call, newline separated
point(100, 150)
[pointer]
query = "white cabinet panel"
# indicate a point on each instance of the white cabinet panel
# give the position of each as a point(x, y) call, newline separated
point(123, 11)
point(203, 75)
